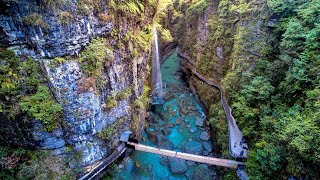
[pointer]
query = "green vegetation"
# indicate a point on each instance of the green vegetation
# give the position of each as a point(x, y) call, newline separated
point(93, 56)
point(51, 4)
point(115, 96)
point(16, 77)
point(42, 107)
point(57, 61)
point(35, 19)
point(142, 101)
point(109, 131)
point(21, 91)
point(85, 7)
point(19, 163)
point(271, 78)
point(133, 7)
point(111, 102)
point(277, 108)
point(64, 17)
point(125, 93)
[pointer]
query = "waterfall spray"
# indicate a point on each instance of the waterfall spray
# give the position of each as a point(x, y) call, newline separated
point(157, 89)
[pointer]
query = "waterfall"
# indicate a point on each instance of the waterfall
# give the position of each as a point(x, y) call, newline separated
point(157, 89)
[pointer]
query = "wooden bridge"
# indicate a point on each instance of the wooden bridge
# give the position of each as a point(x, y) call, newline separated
point(128, 142)
point(189, 157)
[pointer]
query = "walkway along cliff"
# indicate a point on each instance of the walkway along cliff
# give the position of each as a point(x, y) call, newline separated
point(238, 147)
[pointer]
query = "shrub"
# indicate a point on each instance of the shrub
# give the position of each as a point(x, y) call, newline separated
point(64, 17)
point(142, 101)
point(42, 107)
point(57, 62)
point(9, 79)
point(29, 70)
point(85, 7)
point(35, 19)
point(51, 4)
point(124, 94)
point(16, 77)
point(111, 102)
point(105, 18)
point(92, 57)
point(109, 131)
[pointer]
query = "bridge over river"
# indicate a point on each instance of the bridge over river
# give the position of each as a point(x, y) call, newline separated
point(127, 142)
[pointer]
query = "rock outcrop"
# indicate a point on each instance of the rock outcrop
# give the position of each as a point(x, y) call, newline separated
point(44, 32)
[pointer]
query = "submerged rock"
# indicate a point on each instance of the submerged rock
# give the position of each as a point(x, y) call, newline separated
point(178, 121)
point(178, 166)
point(207, 146)
point(152, 136)
point(193, 129)
point(204, 136)
point(171, 125)
point(193, 147)
point(204, 173)
point(166, 144)
point(165, 117)
point(199, 122)
point(168, 97)
point(190, 174)
point(166, 131)
point(165, 161)
point(191, 163)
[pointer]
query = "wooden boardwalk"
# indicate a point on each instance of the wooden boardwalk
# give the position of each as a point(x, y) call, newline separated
point(95, 172)
point(190, 157)
point(238, 148)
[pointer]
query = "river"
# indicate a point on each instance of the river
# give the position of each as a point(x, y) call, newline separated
point(179, 126)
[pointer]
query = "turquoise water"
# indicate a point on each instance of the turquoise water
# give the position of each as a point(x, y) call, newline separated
point(141, 165)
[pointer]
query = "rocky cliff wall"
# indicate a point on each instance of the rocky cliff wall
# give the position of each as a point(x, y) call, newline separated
point(224, 39)
point(96, 108)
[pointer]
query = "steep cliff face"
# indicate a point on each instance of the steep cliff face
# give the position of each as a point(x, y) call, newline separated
point(224, 39)
point(231, 37)
point(98, 82)
point(263, 55)
point(42, 29)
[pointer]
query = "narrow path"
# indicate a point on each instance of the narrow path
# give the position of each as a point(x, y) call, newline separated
point(238, 148)
point(106, 162)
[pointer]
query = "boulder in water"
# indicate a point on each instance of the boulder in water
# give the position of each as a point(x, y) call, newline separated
point(152, 136)
point(207, 146)
point(165, 161)
point(193, 147)
point(204, 173)
point(178, 121)
point(177, 166)
point(199, 122)
point(165, 117)
point(191, 163)
point(170, 125)
point(168, 97)
point(190, 174)
point(193, 129)
point(204, 136)
point(166, 131)
point(165, 144)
